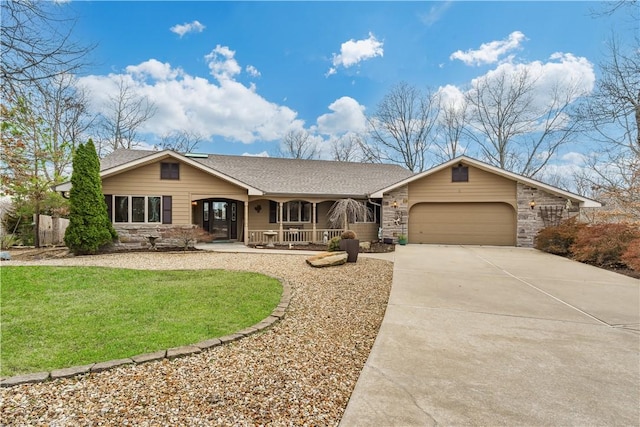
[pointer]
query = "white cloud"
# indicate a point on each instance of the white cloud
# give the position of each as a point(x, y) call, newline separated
point(491, 52)
point(347, 116)
point(261, 154)
point(573, 75)
point(574, 158)
point(222, 63)
point(435, 13)
point(451, 96)
point(190, 27)
point(352, 52)
point(154, 69)
point(225, 108)
point(253, 71)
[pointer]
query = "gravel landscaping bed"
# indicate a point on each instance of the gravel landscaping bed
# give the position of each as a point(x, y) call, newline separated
point(299, 372)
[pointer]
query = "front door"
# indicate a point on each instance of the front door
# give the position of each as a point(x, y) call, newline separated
point(219, 220)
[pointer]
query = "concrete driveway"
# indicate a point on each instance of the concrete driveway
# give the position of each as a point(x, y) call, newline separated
point(502, 336)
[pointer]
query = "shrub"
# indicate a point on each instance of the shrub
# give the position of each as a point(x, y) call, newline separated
point(7, 241)
point(558, 239)
point(187, 237)
point(348, 234)
point(603, 244)
point(334, 244)
point(631, 257)
point(89, 227)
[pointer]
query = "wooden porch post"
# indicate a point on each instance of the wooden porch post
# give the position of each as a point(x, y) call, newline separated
point(280, 230)
point(246, 222)
point(313, 220)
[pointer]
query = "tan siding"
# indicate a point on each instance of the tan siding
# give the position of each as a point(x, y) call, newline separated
point(463, 224)
point(366, 231)
point(482, 187)
point(193, 184)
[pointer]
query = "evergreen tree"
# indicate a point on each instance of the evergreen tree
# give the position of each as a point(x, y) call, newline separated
point(89, 225)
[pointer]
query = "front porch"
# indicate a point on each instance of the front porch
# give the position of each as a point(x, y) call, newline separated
point(281, 221)
point(295, 236)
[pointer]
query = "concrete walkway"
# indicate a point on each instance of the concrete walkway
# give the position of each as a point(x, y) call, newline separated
point(502, 336)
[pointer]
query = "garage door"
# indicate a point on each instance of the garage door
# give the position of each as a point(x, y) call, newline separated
point(463, 224)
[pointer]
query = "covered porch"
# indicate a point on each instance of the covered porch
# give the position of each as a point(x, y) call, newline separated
point(297, 221)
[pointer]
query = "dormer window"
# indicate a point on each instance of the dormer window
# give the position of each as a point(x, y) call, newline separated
point(460, 173)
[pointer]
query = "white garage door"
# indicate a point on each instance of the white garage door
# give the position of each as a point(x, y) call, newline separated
point(463, 224)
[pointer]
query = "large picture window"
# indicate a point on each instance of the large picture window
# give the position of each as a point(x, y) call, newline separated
point(137, 209)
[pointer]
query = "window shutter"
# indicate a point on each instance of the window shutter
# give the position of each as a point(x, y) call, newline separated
point(166, 209)
point(316, 213)
point(273, 212)
point(108, 199)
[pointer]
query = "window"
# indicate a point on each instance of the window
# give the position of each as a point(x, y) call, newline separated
point(372, 216)
point(121, 209)
point(169, 170)
point(153, 209)
point(296, 211)
point(139, 209)
point(460, 173)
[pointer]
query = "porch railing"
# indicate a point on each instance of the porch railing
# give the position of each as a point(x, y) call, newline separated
point(294, 236)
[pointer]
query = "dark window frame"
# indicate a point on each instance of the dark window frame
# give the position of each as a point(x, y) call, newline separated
point(460, 173)
point(170, 170)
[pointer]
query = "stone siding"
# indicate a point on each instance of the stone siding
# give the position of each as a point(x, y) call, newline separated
point(395, 221)
point(136, 235)
point(548, 210)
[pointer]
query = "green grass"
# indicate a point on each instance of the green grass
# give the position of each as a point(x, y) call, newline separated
point(56, 317)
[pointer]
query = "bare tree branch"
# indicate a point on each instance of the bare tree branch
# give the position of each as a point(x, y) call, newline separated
point(400, 130)
point(125, 113)
point(36, 43)
point(183, 141)
point(298, 144)
point(347, 148)
point(512, 128)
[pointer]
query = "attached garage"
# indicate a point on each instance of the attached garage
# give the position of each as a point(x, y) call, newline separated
point(459, 223)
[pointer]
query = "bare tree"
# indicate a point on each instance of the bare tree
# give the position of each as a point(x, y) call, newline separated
point(613, 112)
point(125, 112)
point(345, 210)
point(400, 130)
point(36, 43)
point(615, 103)
point(183, 141)
point(452, 124)
point(64, 109)
point(346, 148)
point(298, 144)
point(513, 127)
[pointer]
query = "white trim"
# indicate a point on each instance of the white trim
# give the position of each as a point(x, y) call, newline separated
point(584, 202)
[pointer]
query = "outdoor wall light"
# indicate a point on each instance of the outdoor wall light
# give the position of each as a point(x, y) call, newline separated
point(258, 208)
point(532, 204)
point(194, 203)
point(394, 204)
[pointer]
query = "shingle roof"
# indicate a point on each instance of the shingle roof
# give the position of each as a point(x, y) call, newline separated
point(289, 176)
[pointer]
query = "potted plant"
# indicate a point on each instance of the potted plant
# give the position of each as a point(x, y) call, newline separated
point(350, 244)
point(402, 239)
point(339, 215)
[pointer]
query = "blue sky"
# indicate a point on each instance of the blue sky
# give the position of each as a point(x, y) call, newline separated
point(244, 73)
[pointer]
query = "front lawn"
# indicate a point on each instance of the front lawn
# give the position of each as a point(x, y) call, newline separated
point(56, 317)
